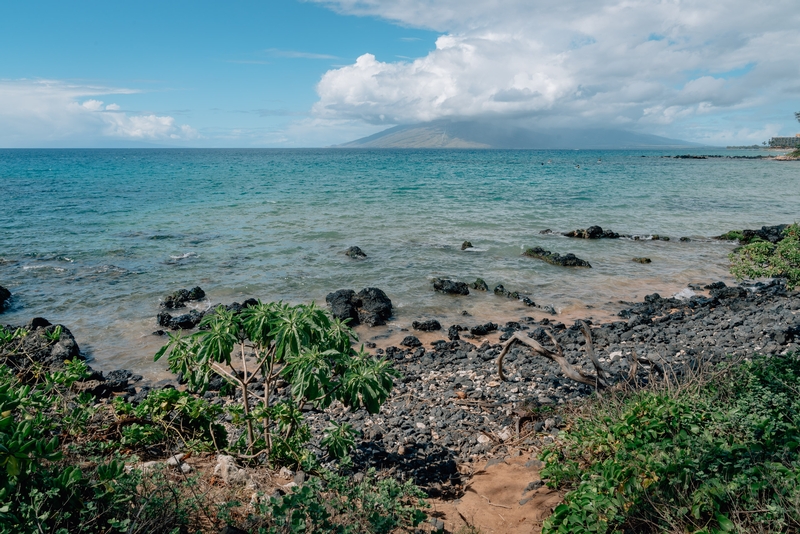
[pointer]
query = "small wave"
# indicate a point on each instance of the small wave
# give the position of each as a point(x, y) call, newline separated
point(184, 256)
point(41, 267)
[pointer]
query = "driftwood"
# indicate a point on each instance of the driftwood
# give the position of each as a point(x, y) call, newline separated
point(599, 381)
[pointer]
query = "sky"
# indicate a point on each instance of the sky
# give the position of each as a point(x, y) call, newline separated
point(290, 73)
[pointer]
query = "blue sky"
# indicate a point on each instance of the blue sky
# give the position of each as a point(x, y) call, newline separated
point(316, 73)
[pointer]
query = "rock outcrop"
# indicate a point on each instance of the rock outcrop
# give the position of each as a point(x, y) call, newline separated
point(553, 258)
point(370, 306)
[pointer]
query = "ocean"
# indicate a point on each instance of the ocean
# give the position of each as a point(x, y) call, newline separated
point(93, 239)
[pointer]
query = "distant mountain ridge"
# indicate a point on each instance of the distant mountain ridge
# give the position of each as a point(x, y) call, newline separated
point(474, 134)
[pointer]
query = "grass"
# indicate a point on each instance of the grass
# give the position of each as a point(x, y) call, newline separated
point(719, 453)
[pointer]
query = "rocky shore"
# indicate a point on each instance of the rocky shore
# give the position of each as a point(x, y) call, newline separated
point(451, 409)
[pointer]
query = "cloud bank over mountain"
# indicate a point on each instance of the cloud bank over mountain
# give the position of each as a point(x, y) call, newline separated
point(634, 64)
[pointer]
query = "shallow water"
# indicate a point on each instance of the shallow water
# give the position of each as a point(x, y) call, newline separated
point(94, 238)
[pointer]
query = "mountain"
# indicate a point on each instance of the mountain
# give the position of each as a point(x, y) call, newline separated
point(474, 134)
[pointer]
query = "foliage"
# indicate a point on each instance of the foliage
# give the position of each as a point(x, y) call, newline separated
point(340, 505)
point(763, 259)
point(172, 415)
point(301, 344)
point(41, 491)
point(723, 456)
point(733, 235)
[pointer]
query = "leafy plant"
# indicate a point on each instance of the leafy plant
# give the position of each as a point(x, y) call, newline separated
point(169, 414)
point(55, 334)
point(302, 344)
point(337, 504)
point(721, 457)
point(763, 259)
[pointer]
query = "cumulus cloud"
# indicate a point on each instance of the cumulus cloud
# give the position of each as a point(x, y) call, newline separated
point(631, 63)
point(53, 112)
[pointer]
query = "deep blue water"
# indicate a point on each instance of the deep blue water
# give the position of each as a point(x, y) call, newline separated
point(93, 238)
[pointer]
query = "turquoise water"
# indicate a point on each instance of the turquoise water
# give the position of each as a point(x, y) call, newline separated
point(94, 238)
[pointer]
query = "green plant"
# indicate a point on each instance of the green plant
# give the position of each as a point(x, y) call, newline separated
point(302, 344)
point(171, 415)
point(716, 456)
point(42, 490)
point(337, 504)
point(763, 259)
point(54, 334)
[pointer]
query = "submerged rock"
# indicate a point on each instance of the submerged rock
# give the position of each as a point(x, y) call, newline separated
point(449, 287)
point(553, 258)
point(642, 260)
point(356, 253)
point(593, 232)
point(465, 245)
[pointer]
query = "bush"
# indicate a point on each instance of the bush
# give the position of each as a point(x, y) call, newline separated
point(41, 491)
point(301, 344)
point(340, 505)
point(722, 456)
point(763, 259)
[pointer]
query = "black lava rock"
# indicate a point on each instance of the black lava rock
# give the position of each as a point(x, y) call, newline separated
point(553, 258)
point(593, 232)
point(411, 342)
point(449, 287)
point(5, 294)
point(356, 253)
point(426, 326)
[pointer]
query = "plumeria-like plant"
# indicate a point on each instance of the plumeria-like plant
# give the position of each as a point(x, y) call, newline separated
point(302, 345)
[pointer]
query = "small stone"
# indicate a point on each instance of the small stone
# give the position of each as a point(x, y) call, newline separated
point(174, 461)
point(483, 438)
point(536, 484)
point(437, 524)
point(421, 426)
point(493, 384)
point(186, 469)
point(401, 450)
point(299, 478)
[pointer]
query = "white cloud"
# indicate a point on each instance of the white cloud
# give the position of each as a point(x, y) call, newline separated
point(58, 113)
point(637, 63)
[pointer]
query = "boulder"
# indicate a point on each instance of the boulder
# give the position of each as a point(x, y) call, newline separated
point(5, 294)
point(483, 329)
point(355, 252)
point(44, 344)
point(374, 307)
point(773, 234)
point(370, 306)
point(479, 284)
point(426, 326)
point(342, 305)
point(465, 245)
point(411, 342)
point(553, 258)
point(186, 321)
point(179, 298)
point(449, 287)
point(452, 332)
point(593, 232)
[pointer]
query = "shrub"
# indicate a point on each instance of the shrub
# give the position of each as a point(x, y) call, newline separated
point(340, 505)
point(720, 457)
point(303, 345)
point(763, 259)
